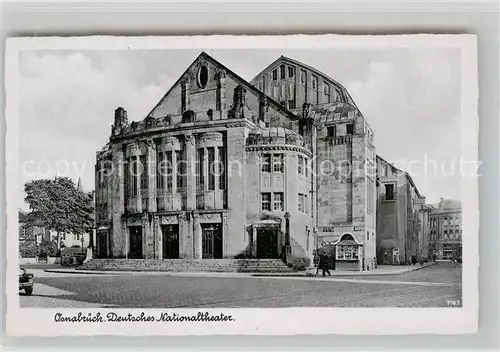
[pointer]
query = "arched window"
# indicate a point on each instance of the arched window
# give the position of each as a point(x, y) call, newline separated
point(202, 76)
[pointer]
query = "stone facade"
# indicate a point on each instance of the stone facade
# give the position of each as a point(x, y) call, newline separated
point(223, 169)
point(401, 224)
point(445, 238)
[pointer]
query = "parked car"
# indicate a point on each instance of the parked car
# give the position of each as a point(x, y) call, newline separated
point(26, 281)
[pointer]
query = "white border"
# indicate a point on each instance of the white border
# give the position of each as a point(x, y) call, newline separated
point(279, 321)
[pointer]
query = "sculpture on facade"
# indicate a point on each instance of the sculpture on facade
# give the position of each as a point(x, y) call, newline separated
point(239, 109)
point(121, 120)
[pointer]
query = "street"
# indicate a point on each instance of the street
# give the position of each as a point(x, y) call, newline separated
point(436, 286)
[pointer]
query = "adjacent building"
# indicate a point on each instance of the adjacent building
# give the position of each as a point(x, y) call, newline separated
point(445, 239)
point(225, 168)
point(401, 219)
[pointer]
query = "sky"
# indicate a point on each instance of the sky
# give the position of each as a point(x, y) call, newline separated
point(410, 98)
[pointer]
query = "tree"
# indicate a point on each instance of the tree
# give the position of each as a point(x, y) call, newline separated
point(27, 239)
point(48, 248)
point(58, 206)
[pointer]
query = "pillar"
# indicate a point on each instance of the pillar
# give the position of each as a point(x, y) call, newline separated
point(185, 95)
point(116, 240)
point(137, 179)
point(174, 172)
point(186, 246)
point(225, 236)
point(159, 240)
point(197, 237)
point(151, 168)
point(221, 95)
point(190, 164)
point(254, 242)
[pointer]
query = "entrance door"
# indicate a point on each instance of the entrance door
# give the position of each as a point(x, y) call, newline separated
point(170, 240)
point(211, 241)
point(267, 243)
point(135, 242)
point(102, 244)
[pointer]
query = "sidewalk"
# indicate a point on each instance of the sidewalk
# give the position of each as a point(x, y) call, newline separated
point(381, 270)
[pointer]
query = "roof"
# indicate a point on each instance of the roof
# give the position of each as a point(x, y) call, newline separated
point(236, 77)
point(333, 112)
point(406, 174)
point(448, 204)
point(316, 71)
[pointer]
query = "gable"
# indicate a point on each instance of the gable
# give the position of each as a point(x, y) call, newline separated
point(210, 88)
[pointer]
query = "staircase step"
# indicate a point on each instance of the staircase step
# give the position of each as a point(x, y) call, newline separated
point(217, 265)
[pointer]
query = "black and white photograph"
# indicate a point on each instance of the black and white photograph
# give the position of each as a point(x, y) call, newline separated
point(207, 181)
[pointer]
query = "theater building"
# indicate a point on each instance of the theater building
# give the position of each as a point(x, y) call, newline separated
point(225, 168)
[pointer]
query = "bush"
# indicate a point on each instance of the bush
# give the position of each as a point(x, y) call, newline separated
point(42, 253)
point(28, 249)
point(48, 249)
point(300, 263)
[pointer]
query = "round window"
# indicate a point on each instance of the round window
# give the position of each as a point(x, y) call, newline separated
point(203, 76)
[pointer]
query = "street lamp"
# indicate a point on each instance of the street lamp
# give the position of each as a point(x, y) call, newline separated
point(287, 235)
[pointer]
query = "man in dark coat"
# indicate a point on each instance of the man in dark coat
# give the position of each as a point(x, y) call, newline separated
point(323, 263)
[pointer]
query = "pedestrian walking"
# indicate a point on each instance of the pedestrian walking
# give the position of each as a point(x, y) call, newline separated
point(414, 260)
point(323, 264)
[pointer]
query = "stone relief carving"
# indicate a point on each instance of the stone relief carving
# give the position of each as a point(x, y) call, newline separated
point(168, 120)
point(169, 219)
point(209, 217)
point(189, 139)
point(221, 74)
point(239, 109)
point(150, 122)
point(133, 126)
point(150, 143)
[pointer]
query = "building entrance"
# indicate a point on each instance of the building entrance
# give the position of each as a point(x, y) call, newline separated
point(211, 241)
point(267, 243)
point(135, 242)
point(170, 241)
point(102, 244)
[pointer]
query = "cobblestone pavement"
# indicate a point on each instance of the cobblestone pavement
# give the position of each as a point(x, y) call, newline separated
point(429, 287)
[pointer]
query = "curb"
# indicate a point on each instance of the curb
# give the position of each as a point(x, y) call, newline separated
point(350, 273)
point(83, 272)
